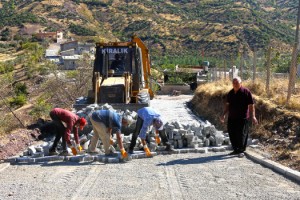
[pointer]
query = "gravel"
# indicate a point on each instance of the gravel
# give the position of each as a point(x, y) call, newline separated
point(176, 176)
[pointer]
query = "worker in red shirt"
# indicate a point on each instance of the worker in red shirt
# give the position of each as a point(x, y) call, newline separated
point(73, 122)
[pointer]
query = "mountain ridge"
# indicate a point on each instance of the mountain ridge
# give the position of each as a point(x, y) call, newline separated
point(216, 28)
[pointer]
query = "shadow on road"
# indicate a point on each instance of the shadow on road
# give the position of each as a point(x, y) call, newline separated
point(190, 161)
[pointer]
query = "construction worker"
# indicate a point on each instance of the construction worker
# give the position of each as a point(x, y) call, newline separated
point(147, 117)
point(73, 122)
point(106, 122)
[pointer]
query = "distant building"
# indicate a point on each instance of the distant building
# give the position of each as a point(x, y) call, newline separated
point(88, 48)
point(52, 53)
point(55, 36)
point(69, 45)
point(70, 62)
point(69, 52)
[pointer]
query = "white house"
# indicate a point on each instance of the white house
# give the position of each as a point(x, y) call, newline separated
point(70, 62)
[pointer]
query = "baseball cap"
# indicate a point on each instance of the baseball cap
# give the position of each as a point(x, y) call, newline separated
point(158, 124)
point(82, 123)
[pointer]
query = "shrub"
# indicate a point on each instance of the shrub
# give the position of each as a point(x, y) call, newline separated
point(6, 67)
point(18, 100)
point(80, 30)
point(21, 88)
point(40, 109)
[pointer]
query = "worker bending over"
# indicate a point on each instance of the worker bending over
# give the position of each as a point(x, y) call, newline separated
point(106, 122)
point(73, 122)
point(147, 117)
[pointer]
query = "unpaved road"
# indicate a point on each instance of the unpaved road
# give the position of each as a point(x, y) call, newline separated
point(176, 176)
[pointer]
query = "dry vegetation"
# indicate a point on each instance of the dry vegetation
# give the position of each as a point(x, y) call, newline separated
point(278, 130)
point(47, 89)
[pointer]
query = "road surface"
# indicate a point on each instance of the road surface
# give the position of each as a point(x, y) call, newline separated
point(177, 176)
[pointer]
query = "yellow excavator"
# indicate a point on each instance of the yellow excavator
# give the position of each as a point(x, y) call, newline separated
point(121, 74)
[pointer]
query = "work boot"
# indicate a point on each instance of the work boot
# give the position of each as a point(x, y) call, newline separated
point(53, 153)
point(241, 155)
point(169, 147)
point(233, 153)
point(130, 151)
point(65, 153)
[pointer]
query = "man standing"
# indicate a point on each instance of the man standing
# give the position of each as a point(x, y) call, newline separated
point(59, 115)
point(147, 117)
point(106, 122)
point(240, 108)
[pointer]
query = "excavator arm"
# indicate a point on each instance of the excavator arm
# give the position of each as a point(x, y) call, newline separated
point(145, 63)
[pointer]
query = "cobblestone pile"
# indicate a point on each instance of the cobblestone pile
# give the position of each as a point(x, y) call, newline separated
point(196, 137)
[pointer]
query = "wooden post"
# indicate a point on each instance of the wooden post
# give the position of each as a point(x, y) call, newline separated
point(225, 63)
point(242, 65)
point(293, 68)
point(268, 70)
point(254, 66)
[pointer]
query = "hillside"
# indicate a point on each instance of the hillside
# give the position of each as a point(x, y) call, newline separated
point(172, 27)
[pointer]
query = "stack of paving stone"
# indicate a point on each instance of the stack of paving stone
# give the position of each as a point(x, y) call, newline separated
point(195, 135)
point(180, 136)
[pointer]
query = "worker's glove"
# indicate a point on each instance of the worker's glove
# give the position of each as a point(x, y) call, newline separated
point(111, 142)
point(124, 154)
point(157, 139)
point(147, 151)
point(74, 151)
point(78, 147)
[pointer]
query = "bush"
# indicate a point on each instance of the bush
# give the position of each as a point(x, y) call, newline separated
point(82, 31)
point(21, 89)
point(40, 109)
point(72, 74)
point(18, 100)
point(6, 67)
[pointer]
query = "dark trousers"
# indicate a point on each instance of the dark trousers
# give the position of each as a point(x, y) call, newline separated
point(60, 132)
point(238, 130)
point(138, 127)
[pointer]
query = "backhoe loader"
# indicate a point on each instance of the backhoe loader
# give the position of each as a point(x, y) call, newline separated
point(121, 75)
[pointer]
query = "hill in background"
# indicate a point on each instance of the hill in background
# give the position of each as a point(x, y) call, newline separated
point(173, 27)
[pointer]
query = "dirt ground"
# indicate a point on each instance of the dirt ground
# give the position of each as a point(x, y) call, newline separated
point(13, 144)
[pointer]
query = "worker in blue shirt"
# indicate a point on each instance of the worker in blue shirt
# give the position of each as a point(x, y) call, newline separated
point(147, 117)
point(106, 122)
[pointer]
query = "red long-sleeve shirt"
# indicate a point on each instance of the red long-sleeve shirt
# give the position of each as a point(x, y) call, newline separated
point(70, 119)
